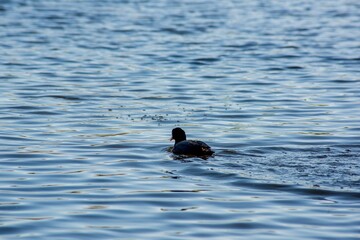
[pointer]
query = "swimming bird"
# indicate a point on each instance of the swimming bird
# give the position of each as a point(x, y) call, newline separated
point(188, 147)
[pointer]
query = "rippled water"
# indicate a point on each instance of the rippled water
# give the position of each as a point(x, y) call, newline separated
point(90, 91)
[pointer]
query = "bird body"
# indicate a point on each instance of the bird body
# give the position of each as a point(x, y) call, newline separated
point(188, 147)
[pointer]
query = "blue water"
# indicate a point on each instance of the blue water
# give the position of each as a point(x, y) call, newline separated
point(90, 91)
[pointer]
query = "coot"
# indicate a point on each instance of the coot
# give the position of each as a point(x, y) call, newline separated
point(188, 147)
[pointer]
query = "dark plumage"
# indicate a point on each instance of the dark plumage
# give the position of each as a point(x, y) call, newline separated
point(188, 147)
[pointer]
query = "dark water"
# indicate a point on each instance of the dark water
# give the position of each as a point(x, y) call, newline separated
point(90, 91)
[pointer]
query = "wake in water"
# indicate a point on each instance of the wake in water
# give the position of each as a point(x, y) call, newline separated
point(335, 167)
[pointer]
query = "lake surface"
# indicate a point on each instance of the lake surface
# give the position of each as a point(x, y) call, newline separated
point(90, 91)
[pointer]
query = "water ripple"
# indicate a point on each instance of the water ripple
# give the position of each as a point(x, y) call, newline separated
point(91, 91)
